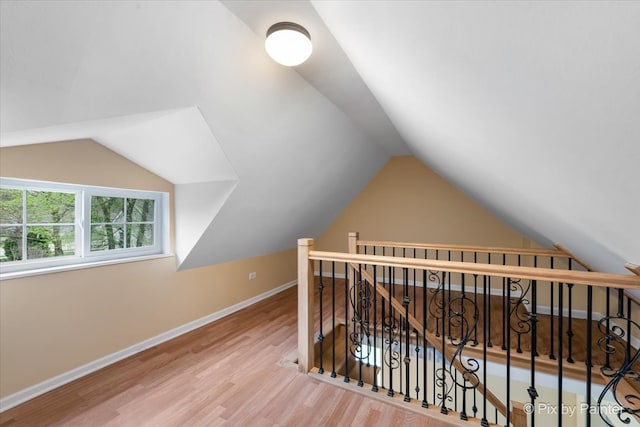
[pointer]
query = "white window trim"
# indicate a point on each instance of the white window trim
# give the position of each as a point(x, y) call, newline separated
point(79, 266)
point(84, 257)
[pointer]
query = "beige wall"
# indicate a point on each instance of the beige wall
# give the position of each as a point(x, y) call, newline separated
point(50, 324)
point(408, 202)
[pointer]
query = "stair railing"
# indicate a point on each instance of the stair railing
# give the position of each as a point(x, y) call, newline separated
point(412, 331)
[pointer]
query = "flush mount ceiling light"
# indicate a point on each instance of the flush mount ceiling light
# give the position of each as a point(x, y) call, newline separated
point(288, 43)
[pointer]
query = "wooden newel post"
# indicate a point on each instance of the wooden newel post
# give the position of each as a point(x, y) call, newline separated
point(305, 305)
point(353, 242)
point(518, 414)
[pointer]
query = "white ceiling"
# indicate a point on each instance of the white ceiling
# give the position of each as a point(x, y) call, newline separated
point(530, 107)
point(328, 69)
point(533, 108)
point(276, 161)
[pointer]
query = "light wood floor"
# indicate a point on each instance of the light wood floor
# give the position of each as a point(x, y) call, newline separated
point(226, 373)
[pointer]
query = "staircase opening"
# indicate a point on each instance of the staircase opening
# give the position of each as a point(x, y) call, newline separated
point(486, 335)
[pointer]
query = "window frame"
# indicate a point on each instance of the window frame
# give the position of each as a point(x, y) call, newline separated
point(124, 252)
point(82, 222)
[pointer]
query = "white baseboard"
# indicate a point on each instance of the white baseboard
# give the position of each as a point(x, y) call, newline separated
point(59, 380)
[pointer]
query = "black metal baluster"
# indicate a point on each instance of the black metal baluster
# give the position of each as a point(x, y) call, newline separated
point(417, 350)
point(333, 319)
point(455, 390)
point(425, 403)
point(620, 313)
point(383, 318)
point(487, 317)
point(392, 275)
point(401, 329)
point(449, 298)
point(474, 408)
point(535, 265)
point(414, 286)
point(552, 356)
point(508, 400)
point(519, 334)
point(484, 422)
point(392, 312)
point(533, 318)
point(570, 321)
point(433, 383)
point(475, 302)
point(375, 326)
point(367, 318)
point(505, 316)
point(400, 334)
point(434, 349)
point(407, 358)
point(346, 321)
point(463, 413)
point(360, 316)
point(629, 336)
point(570, 325)
point(607, 361)
point(443, 407)
point(320, 335)
point(589, 350)
point(437, 319)
point(391, 322)
point(560, 348)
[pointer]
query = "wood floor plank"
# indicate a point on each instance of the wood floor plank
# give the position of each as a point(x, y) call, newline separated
point(227, 373)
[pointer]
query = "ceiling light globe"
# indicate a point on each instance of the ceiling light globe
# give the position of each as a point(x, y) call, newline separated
point(288, 44)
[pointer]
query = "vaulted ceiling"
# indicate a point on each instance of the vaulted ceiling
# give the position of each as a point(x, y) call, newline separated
point(530, 107)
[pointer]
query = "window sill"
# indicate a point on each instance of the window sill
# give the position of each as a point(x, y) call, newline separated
point(80, 266)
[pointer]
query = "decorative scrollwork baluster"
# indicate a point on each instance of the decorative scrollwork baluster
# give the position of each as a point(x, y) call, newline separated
point(444, 382)
point(320, 334)
point(436, 306)
point(391, 356)
point(360, 337)
point(519, 321)
point(617, 330)
point(463, 314)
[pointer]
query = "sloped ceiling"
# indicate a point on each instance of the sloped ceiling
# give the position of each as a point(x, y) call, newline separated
point(530, 107)
point(259, 157)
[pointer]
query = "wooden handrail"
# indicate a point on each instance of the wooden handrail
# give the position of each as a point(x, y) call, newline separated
point(465, 248)
point(432, 339)
point(531, 273)
point(588, 267)
point(633, 268)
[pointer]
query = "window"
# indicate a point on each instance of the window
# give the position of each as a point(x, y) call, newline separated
point(121, 223)
point(36, 224)
point(49, 224)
